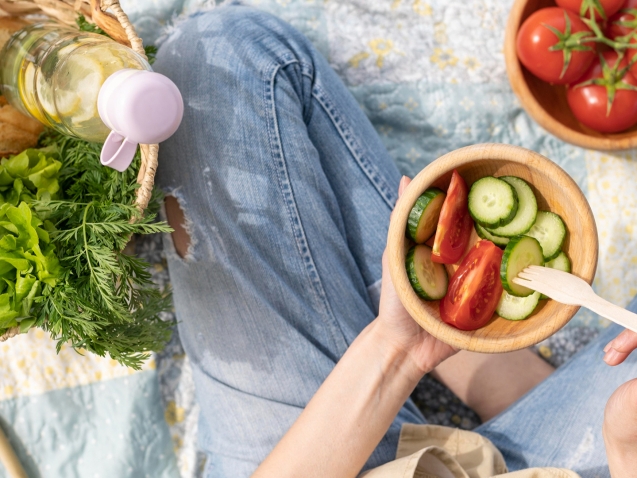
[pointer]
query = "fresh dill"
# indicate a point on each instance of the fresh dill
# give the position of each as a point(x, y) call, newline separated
point(105, 301)
point(85, 26)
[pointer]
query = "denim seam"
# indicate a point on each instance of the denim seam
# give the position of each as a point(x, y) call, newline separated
point(354, 146)
point(298, 231)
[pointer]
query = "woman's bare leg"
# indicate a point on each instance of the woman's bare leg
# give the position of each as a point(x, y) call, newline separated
point(490, 383)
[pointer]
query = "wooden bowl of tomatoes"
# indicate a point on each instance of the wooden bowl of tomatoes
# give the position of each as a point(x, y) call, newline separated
point(574, 76)
point(556, 194)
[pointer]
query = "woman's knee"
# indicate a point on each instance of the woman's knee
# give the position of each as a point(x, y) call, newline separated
point(223, 62)
point(620, 415)
point(620, 429)
point(231, 38)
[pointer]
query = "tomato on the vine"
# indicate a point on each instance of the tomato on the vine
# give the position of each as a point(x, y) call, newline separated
point(603, 99)
point(630, 55)
point(624, 22)
point(584, 8)
point(552, 44)
point(475, 289)
point(454, 224)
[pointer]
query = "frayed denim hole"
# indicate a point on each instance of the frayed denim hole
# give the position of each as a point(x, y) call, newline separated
point(181, 241)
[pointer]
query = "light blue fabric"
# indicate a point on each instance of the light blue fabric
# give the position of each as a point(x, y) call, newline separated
point(287, 192)
point(151, 16)
point(106, 429)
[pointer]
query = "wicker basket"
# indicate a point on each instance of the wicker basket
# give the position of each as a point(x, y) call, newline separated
point(109, 16)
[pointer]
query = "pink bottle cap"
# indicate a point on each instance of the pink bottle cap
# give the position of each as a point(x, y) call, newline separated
point(138, 106)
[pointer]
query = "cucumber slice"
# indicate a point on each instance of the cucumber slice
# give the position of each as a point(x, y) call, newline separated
point(527, 210)
point(423, 217)
point(484, 234)
point(511, 307)
point(561, 263)
point(429, 279)
point(521, 252)
point(550, 231)
point(492, 202)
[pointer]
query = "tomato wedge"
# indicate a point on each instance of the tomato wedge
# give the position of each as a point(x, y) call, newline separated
point(454, 224)
point(475, 289)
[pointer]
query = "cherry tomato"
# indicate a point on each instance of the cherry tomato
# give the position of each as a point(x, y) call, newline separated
point(624, 22)
point(584, 7)
point(475, 289)
point(590, 103)
point(553, 59)
point(454, 224)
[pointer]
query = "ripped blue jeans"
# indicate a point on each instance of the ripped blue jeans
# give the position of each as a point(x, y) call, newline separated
point(287, 192)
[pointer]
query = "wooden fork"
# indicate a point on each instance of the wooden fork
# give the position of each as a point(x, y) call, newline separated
point(571, 290)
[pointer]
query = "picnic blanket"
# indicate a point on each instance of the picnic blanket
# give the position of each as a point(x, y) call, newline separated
point(430, 75)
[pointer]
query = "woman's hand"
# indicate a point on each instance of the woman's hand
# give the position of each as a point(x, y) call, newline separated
point(620, 347)
point(620, 430)
point(423, 349)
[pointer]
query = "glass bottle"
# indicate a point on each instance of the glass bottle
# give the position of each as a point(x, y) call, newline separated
point(91, 87)
point(55, 75)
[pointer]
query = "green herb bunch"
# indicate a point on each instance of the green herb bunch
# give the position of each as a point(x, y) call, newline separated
point(28, 263)
point(105, 301)
point(64, 222)
point(84, 25)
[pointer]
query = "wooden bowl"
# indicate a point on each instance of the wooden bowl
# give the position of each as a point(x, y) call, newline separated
point(555, 191)
point(547, 103)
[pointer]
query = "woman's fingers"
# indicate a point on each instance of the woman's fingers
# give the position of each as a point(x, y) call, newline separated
point(404, 181)
point(620, 347)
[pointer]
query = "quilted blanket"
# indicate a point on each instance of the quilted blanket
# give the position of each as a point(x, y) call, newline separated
point(430, 75)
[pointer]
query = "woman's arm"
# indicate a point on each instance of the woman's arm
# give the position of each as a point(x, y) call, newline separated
point(350, 413)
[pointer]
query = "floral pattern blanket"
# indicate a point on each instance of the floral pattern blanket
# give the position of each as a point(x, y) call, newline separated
point(430, 75)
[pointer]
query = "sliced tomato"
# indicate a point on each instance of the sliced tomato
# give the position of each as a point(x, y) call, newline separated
point(454, 224)
point(475, 289)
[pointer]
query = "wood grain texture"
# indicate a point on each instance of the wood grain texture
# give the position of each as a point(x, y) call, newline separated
point(546, 103)
point(9, 459)
point(555, 191)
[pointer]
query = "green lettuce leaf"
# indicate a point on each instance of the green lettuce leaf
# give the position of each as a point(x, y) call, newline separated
point(26, 324)
point(20, 217)
point(28, 261)
point(27, 288)
point(32, 174)
point(7, 313)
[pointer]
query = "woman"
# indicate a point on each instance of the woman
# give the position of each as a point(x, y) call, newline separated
point(285, 193)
